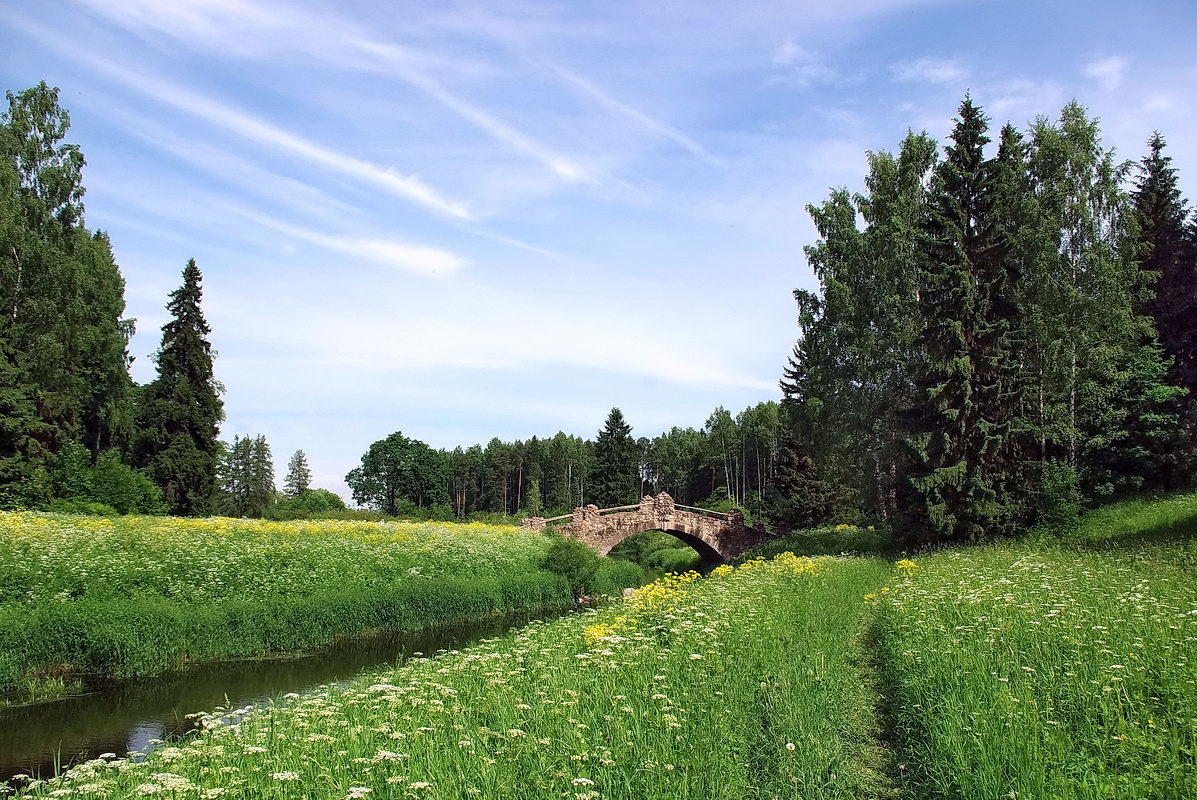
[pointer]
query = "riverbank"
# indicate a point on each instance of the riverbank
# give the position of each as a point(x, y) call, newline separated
point(688, 688)
point(88, 597)
point(137, 714)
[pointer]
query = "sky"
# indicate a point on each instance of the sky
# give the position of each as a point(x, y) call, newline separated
point(462, 220)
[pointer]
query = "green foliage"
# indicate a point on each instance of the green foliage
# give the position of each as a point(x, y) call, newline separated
point(831, 540)
point(398, 469)
point(532, 506)
point(180, 412)
point(657, 553)
point(246, 478)
point(136, 595)
point(88, 507)
point(312, 504)
point(665, 710)
point(614, 479)
point(299, 475)
point(1168, 256)
point(982, 324)
point(574, 561)
point(63, 343)
point(1049, 672)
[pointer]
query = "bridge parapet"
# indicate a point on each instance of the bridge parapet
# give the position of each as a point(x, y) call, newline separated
point(714, 534)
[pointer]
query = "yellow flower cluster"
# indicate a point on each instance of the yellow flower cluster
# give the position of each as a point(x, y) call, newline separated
point(906, 567)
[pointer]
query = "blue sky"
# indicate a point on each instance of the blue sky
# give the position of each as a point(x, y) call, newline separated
point(463, 220)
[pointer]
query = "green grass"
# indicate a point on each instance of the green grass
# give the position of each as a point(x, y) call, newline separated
point(737, 686)
point(1062, 666)
point(86, 596)
point(1041, 672)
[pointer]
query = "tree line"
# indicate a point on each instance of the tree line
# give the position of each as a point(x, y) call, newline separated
point(729, 460)
point(1003, 332)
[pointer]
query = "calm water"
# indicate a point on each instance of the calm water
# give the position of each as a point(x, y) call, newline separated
point(125, 716)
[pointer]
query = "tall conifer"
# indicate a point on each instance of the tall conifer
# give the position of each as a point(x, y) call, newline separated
point(613, 480)
point(947, 495)
point(1168, 255)
point(299, 476)
point(180, 412)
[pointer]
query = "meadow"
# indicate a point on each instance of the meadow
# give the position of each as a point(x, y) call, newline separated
point(728, 687)
point(1061, 665)
point(131, 596)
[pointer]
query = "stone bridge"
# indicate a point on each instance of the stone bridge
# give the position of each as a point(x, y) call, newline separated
point(715, 535)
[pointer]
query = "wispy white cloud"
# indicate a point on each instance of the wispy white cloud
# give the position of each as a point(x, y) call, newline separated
point(1108, 72)
point(394, 57)
point(930, 70)
point(590, 89)
point(328, 37)
point(390, 252)
point(251, 127)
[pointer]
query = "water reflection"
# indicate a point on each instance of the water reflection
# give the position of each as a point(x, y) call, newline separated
point(126, 716)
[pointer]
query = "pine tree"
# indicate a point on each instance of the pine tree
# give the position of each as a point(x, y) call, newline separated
point(299, 477)
point(180, 412)
point(1168, 256)
point(614, 478)
point(947, 496)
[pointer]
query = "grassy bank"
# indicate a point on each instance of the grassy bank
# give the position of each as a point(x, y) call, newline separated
point(137, 596)
point(736, 686)
point(1044, 672)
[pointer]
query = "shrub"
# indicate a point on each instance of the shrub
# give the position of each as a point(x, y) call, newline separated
point(576, 562)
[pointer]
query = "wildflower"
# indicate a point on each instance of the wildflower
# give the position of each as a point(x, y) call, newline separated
point(790, 746)
point(583, 782)
point(285, 776)
point(358, 792)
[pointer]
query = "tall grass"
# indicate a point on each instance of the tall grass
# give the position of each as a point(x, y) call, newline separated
point(741, 685)
point(1044, 673)
point(138, 596)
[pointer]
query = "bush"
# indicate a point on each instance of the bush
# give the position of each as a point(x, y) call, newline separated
point(1057, 498)
point(574, 561)
point(312, 504)
point(82, 507)
point(128, 490)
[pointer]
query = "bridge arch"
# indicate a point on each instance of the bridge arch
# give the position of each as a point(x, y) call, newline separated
point(706, 549)
point(716, 536)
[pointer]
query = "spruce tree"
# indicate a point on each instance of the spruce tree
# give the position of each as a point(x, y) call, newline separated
point(1167, 255)
point(613, 478)
point(946, 495)
point(180, 412)
point(299, 476)
point(261, 477)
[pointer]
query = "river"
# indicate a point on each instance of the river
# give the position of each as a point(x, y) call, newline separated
point(126, 716)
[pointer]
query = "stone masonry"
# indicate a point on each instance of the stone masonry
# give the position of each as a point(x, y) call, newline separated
point(714, 536)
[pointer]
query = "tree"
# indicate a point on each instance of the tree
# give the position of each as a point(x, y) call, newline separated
point(1169, 257)
point(62, 339)
point(180, 412)
point(299, 477)
point(947, 494)
point(532, 504)
point(398, 469)
point(614, 476)
point(850, 370)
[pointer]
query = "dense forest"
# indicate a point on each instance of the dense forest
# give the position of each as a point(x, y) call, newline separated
point(1004, 330)
point(731, 459)
point(1002, 333)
